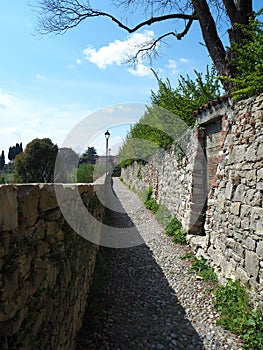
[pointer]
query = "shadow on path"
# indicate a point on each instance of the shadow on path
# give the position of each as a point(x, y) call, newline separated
point(138, 308)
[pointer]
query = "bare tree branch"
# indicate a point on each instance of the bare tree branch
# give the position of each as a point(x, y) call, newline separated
point(61, 15)
point(57, 16)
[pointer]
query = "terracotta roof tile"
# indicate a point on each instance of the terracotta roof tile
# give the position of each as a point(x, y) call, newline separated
point(210, 104)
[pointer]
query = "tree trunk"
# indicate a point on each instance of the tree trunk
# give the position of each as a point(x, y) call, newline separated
point(213, 43)
point(238, 13)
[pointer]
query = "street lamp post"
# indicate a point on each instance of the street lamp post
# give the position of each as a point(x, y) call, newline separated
point(107, 136)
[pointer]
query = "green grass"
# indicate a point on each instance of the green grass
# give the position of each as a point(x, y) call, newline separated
point(232, 301)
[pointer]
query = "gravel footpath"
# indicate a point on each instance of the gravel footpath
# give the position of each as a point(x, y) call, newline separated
point(150, 300)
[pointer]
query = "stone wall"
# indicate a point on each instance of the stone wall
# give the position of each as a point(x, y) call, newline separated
point(46, 268)
point(221, 171)
point(170, 173)
point(234, 217)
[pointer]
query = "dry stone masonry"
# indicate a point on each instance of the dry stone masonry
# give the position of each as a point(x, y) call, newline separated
point(46, 267)
point(216, 188)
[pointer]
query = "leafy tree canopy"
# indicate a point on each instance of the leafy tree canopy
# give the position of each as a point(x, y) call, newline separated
point(89, 156)
point(169, 116)
point(85, 173)
point(249, 60)
point(67, 161)
point(14, 151)
point(2, 160)
point(37, 162)
point(189, 95)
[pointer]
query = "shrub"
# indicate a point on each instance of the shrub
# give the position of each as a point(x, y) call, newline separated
point(152, 205)
point(85, 173)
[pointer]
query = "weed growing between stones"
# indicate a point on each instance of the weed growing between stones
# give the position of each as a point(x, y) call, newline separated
point(187, 255)
point(237, 315)
point(152, 205)
point(163, 216)
point(203, 269)
point(175, 230)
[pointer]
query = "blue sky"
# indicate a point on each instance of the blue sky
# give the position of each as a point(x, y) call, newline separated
point(49, 84)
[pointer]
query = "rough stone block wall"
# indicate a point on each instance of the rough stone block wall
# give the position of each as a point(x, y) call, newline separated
point(46, 268)
point(170, 175)
point(234, 217)
point(231, 180)
point(177, 178)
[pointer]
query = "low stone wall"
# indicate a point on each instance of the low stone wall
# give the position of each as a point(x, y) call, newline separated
point(46, 268)
point(223, 169)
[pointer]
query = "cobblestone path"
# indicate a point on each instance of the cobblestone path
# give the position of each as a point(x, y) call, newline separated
point(150, 300)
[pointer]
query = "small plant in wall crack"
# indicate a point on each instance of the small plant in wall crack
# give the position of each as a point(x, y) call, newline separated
point(175, 230)
point(200, 266)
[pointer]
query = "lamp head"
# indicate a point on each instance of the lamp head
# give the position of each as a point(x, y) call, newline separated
point(107, 135)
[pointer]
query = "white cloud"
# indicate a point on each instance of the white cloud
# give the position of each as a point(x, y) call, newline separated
point(173, 66)
point(5, 100)
point(25, 120)
point(40, 76)
point(78, 61)
point(117, 52)
point(140, 70)
point(70, 66)
point(184, 60)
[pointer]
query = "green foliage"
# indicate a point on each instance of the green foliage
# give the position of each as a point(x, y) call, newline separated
point(152, 205)
point(89, 156)
point(66, 164)
point(175, 230)
point(169, 116)
point(233, 303)
point(203, 269)
point(163, 216)
point(37, 162)
point(187, 255)
point(2, 160)
point(139, 173)
point(14, 151)
point(146, 194)
point(85, 173)
point(189, 95)
point(249, 61)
